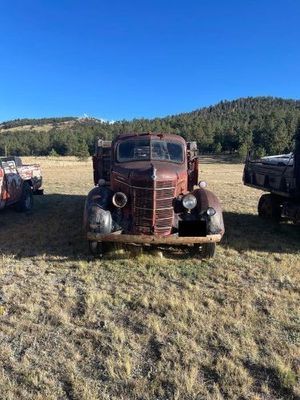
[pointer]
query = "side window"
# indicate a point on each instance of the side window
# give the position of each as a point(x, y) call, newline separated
point(9, 167)
point(125, 150)
point(175, 151)
point(132, 150)
point(142, 150)
point(160, 151)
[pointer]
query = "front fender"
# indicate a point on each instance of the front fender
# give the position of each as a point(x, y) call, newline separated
point(97, 216)
point(206, 199)
point(100, 195)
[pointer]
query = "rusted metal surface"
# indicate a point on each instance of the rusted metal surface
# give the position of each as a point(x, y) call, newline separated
point(151, 239)
point(152, 185)
point(13, 174)
point(154, 172)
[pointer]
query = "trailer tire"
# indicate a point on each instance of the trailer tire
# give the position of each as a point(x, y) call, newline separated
point(25, 203)
point(269, 207)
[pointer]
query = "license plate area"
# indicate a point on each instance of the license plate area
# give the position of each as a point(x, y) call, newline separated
point(191, 228)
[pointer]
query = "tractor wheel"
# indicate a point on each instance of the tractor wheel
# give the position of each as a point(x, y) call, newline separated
point(25, 203)
point(269, 207)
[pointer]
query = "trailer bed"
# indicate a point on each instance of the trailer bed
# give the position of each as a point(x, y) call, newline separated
point(274, 174)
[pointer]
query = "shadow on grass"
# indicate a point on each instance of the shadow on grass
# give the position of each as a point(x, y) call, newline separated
point(261, 373)
point(250, 232)
point(54, 229)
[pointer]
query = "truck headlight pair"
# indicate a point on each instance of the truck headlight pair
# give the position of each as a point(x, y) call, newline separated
point(189, 202)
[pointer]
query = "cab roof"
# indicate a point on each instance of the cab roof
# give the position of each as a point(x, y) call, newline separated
point(151, 135)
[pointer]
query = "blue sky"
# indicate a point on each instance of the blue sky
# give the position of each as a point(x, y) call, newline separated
point(125, 59)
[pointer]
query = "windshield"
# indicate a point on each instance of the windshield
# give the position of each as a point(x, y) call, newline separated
point(146, 149)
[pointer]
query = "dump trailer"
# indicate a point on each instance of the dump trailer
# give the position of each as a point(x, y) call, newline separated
point(18, 183)
point(279, 176)
point(147, 192)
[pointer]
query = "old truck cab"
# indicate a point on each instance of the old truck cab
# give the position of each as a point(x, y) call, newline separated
point(18, 183)
point(145, 194)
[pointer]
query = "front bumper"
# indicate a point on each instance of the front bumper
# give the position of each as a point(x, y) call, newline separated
point(151, 239)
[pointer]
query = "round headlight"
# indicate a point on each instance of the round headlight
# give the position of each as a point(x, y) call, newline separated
point(189, 201)
point(101, 182)
point(119, 199)
point(210, 211)
point(202, 184)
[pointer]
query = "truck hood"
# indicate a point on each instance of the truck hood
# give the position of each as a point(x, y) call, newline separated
point(142, 171)
point(145, 173)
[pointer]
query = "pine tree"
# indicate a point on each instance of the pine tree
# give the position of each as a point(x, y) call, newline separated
point(82, 151)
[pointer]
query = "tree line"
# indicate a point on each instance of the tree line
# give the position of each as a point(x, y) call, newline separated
point(265, 125)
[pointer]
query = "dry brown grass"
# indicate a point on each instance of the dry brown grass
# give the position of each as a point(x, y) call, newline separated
point(38, 128)
point(137, 326)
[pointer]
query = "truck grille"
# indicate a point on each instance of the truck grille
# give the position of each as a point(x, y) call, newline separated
point(153, 208)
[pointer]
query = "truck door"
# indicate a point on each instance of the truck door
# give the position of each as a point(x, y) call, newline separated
point(12, 181)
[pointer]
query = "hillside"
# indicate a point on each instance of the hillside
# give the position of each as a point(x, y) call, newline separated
point(265, 124)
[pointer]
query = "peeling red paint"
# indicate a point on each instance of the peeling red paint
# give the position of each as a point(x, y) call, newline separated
point(13, 174)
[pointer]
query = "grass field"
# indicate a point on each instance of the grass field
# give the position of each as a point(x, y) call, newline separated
point(136, 325)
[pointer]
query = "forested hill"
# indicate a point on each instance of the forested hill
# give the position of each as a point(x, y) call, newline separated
point(264, 124)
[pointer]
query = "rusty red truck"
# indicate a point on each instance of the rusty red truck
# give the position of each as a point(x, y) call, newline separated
point(145, 194)
point(18, 182)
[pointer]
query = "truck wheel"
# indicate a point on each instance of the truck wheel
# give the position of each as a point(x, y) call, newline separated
point(269, 207)
point(207, 250)
point(25, 203)
point(96, 248)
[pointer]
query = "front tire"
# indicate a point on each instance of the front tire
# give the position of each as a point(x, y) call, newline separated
point(269, 207)
point(206, 250)
point(25, 203)
point(96, 248)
